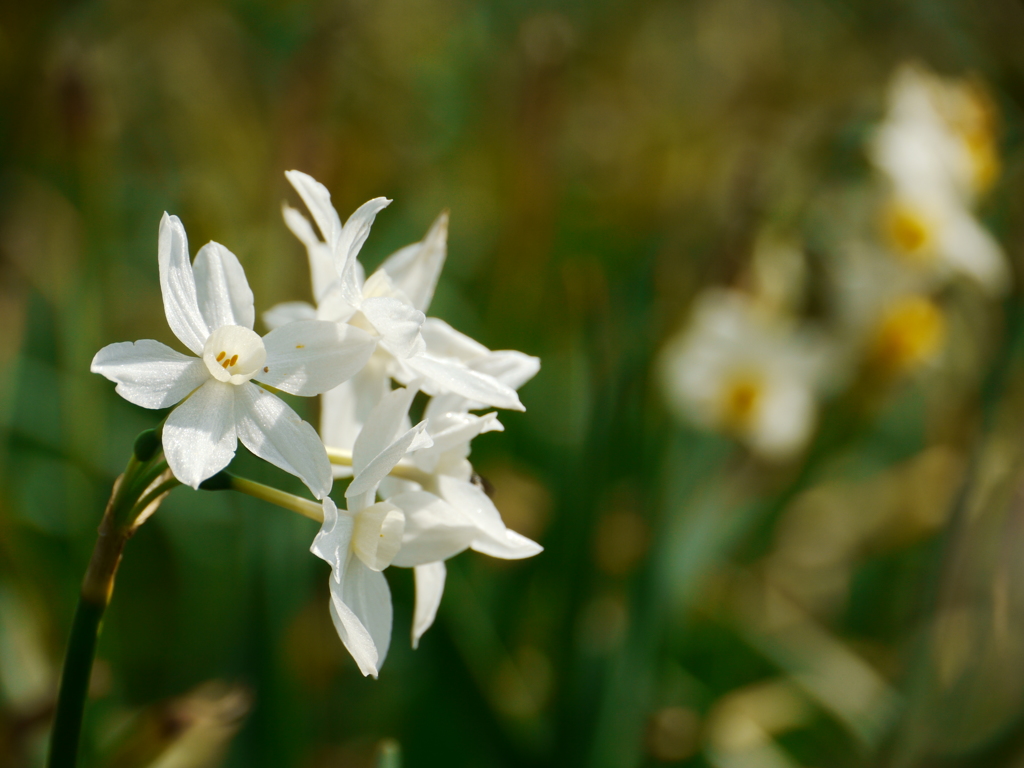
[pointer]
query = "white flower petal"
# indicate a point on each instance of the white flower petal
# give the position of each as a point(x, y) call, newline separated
point(970, 249)
point(369, 475)
point(354, 636)
point(353, 235)
point(322, 271)
point(344, 409)
point(455, 377)
point(149, 373)
point(493, 538)
point(221, 288)
point(398, 324)
point(288, 312)
point(453, 432)
point(459, 428)
point(377, 536)
point(333, 304)
point(429, 589)
point(318, 200)
point(333, 541)
point(784, 420)
point(434, 529)
point(333, 544)
point(510, 367)
point(511, 546)
point(199, 436)
point(444, 341)
point(275, 433)
point(416, 268)
point(445, 403)
point(178, 285)
point(308, 357)
point(384, 424)
point(362, 613)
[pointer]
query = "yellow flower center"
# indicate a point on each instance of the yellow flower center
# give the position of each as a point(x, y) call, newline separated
point(909, 232)
point(740, 401)
point(910, 333)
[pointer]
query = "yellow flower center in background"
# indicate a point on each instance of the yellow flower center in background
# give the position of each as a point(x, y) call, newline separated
point(741, 400)
point(909, 232)
point(910, 333)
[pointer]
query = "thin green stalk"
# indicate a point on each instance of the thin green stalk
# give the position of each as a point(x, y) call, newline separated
point(74, 683)
point(304, 507)
point(118, 524)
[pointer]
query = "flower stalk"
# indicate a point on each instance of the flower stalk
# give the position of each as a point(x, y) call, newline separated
point(304, 507)
point(136, 494)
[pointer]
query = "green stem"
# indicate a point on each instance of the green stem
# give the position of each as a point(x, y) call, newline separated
point(74, 684)
point(117, 526)
point(304, 507)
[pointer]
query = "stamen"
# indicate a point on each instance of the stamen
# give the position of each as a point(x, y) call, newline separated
point(234, 359)
point(300, 346)
point(225, 364)
point(221, 356)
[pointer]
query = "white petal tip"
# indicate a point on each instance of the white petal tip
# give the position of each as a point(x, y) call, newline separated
point(513, 405)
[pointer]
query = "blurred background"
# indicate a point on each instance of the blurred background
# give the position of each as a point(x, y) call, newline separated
point(858, 601)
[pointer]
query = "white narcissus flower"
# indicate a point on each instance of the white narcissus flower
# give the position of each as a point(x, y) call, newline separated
point(932, 231)
point(391, 304)
point(209, 307)
point(937, 132)
point(363, 540)
point(886, 318)
point(420, 525)
point(734, 370)
point(444, 504)
point(936, 148)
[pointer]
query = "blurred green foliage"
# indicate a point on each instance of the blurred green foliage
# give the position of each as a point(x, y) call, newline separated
point(603, 163)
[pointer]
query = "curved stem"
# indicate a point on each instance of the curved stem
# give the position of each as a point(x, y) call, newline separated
point(120, 519)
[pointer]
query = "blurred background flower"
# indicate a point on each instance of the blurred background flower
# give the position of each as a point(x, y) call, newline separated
point(848, 171)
